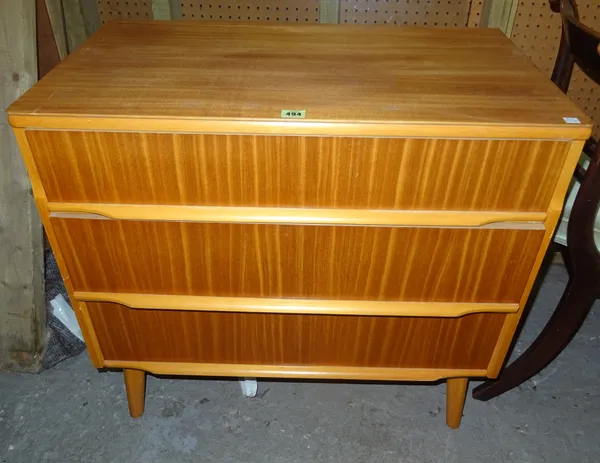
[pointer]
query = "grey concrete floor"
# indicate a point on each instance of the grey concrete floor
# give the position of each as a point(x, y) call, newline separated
point(75, 413)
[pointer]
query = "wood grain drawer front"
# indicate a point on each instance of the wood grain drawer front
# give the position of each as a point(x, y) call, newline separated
point(245, 260)
point(211, 337)
point(290, 171)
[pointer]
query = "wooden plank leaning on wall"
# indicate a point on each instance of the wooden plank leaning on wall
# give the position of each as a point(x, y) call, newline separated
point(22, 308)
point(81, 18)
point(500, 14)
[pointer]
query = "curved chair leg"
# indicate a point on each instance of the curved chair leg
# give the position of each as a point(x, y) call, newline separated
point(581, 292)
point(568, 317)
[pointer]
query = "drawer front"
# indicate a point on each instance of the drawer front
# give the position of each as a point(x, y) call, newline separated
point(290, 171)
point(245, 260)
point(211, 337)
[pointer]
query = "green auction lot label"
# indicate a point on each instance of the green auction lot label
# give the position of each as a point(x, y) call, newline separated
point(293, 113)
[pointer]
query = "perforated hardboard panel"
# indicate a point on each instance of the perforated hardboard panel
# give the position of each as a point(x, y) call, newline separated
point(257, 10)
point(410, 12)
point(124, 9)
point(475, 12)
point(537, 32)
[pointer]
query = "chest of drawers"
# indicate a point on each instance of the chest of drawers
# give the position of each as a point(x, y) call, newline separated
point(298, 201)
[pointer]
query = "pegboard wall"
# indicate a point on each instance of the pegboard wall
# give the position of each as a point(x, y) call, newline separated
point(475, 12)
point(110, 10)
point(252, 10)
point(408, 12)
point(413, 12)
point(537, 32)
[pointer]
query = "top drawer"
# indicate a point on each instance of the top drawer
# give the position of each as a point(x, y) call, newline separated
point(292, 171)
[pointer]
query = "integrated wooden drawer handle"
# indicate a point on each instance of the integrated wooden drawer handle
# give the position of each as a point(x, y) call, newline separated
point(296, 306)
point(215, 214)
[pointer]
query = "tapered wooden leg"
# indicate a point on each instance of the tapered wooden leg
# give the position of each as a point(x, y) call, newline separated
point(456, 391)
point(135, 384)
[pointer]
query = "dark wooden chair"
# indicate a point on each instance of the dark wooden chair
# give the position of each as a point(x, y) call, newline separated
point(579, 44)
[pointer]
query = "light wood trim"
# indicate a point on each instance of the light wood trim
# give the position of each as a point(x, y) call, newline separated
point(281, 215)
point(39, 194)
point(87, 327)
point(290, 127)
point(562, 185)
point(556, 204)
point(295, 306)
point(36, 183)
point(295, 371)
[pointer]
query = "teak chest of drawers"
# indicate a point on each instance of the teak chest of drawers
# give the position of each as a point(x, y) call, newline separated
point(298, 201)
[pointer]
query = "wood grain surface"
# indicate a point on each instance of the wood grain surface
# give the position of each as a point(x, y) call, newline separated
point(554, 213)
point(206, 337)
point(363, 263)
point(393, 76)
point(42, 206)
point(289, 171)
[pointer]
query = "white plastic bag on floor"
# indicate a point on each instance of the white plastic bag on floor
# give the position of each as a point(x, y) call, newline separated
point(63, 311)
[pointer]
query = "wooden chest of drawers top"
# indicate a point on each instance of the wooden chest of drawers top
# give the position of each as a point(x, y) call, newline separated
point(350, 80)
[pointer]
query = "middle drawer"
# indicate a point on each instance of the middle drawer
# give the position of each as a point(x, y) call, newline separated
point(298, 261)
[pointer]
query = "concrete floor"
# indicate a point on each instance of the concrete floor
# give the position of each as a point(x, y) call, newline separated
point(74, 413)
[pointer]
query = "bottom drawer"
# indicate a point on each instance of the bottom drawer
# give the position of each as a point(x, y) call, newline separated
point(274, 339)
